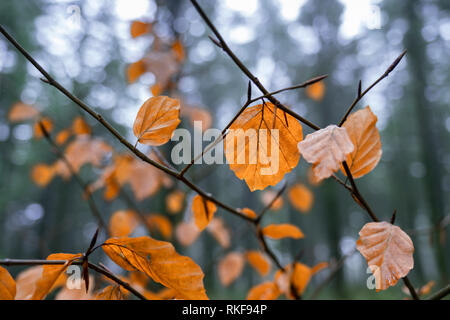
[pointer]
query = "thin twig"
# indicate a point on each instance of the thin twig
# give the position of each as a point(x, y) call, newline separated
point(357, 194)
point(441, 293)
point(224, 46)
point(111, 129)
point(266, 248)
point(142, 156)
point(84, 186)
point(266, 208)
point(361, 95)
point(411, 288)
point(298, 86)
point(247, 103)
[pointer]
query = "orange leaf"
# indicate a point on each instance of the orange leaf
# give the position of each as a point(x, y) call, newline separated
point(318, 267)
point(139, 28)
point(144, 180)
point(7, 285)
point(220, 232)
point(163, 64)
point(112, 187)
point(196, 114)
point(156, 120)
point(316, 91)
point(268, 196)
point(178, 49)
point(122, 223)
point(160, 261)
point(426, 289)
point(300, 277)
point(63, 136)
point(111, 292)
point(186, 233)
point(26, 282)
point(46, 123)
point(156, 90)
point(249, 213)
point(366, 139)
point(135, 70)
point(80, 126)
point(326, 149)
point(312, 179)
point(175, 201)
point(203, 211)
point(51, 273)
point(230, 267)
point(258, 261)
point(264, 291)
point(249, 156)
point(301, 197)
point(42, 174)
point(21, 112)
point(161, 223)
point(85, 150)
point(285, 230)
point(388, 251)
point(81, 293)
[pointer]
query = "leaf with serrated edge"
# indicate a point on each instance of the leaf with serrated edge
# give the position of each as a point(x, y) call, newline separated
point(156, 120)
point(160, 261)
point(366, 139)
point(388, 251)
point(249, 156)
point(326, 149)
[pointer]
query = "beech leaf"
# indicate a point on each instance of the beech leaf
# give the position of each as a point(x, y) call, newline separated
point(122, 223)
point(203, 211)
point(7, 285)
point(366, 139)
point(326, 149)
point(159, 261)
point(51, 274)
point(249, 156)
point(388, 251)
point(301, 197)
point(21, 112)
point(156, 120)
point(258, 261)
point(230, 267)
point(264, 291)
point(285, 230)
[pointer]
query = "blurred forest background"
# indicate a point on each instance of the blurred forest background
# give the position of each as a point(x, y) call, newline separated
point(284, 42)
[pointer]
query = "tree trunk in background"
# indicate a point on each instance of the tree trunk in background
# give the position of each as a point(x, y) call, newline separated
point(418, 68)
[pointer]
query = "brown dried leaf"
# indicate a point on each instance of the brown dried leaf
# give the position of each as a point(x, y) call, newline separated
point(203, 211)
point(388, 251)
point(22, 112)
point(160, 261)
point(7, 285)
point(326, 149)
point(264, 291)
point(156, 120)
point(284, 230)
point(366, 139)
point(249, 156)
point(258, 261)
point(122, 223)
point(301, 197)
point(160, 223)
point(230, 267)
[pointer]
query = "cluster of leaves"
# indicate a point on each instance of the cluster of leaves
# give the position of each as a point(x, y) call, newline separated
point(354, 148)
